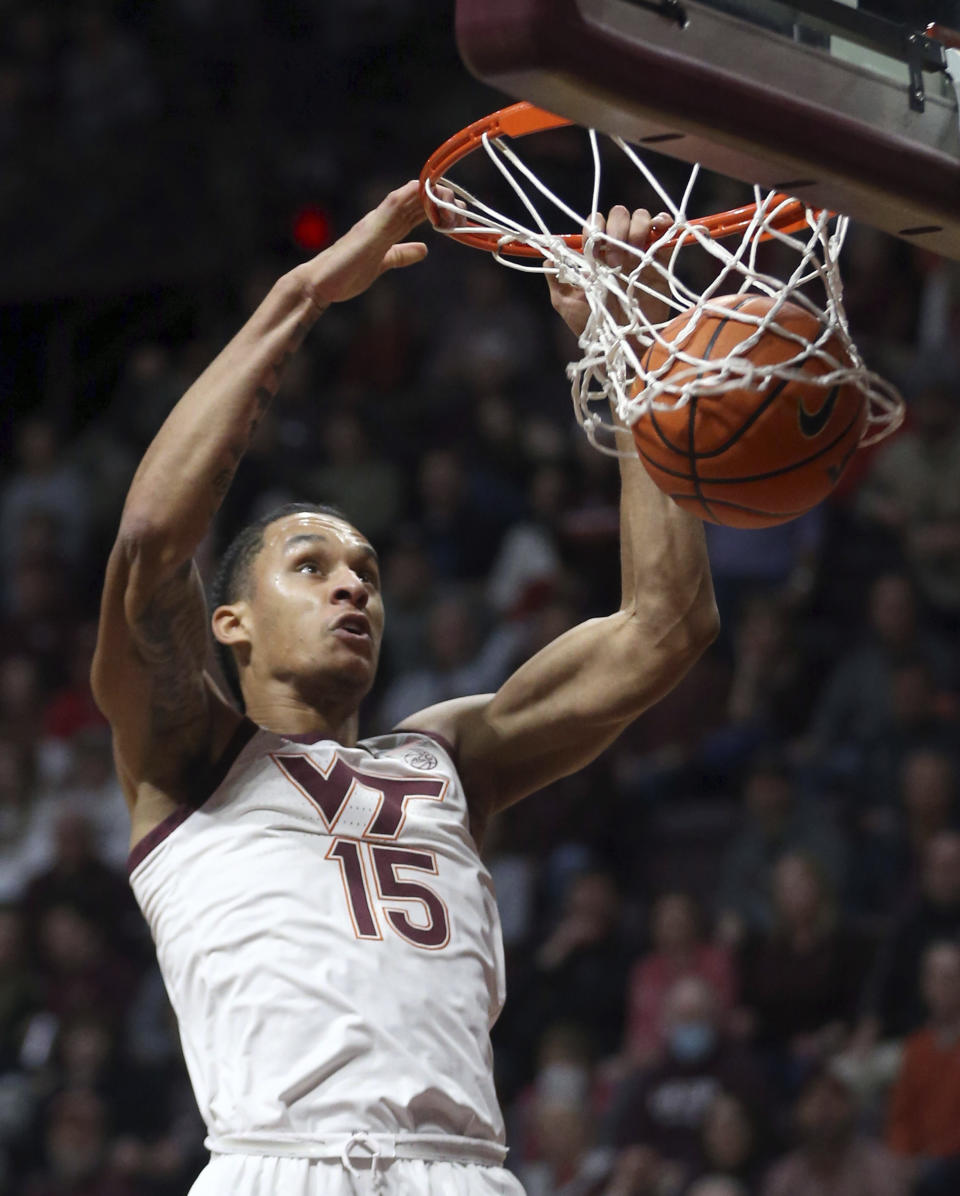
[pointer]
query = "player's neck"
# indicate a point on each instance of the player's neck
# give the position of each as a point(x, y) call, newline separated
point(288, 714)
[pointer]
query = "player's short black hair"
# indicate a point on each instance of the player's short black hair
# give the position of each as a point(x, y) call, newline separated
point(232, 579)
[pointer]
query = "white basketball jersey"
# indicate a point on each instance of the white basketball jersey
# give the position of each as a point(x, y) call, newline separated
point(330, 941)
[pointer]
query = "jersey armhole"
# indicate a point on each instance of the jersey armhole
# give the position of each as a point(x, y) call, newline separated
point(207, 784)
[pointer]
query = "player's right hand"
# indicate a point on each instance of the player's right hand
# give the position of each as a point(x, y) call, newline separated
point(374, 245)
point(636, 229)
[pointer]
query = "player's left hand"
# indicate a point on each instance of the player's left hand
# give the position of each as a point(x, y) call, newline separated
point(374, 245)
point(636, 229)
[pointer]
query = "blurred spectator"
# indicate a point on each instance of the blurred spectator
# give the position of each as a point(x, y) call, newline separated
point(801, 979)
point(488, 338)
point(733, 1143)
point(774, 823)
point(917, 721)
point(82, 969)
point(717, 1185)
point(75, 1155)
point(455, 663)
point(893, 1004)
point(666, 1106)
point(442, 391)
point(855, 707)
point(924, 1124)
point(928, 781)
point(43, 481)
point(107, 80)
point(71, 708)
point(21, 699)
point(88, 799)
point(779, 561)
point(642, 1171)
point(88, 1053)
point(528, 561)
point(772, 686)
point(581, 966)
point(22, 849)
point(568, 1162)
point(680, 740)
point(679, 948)
point(39, 616)
point(380, 354)
point(32, 34)
point(501, 438)
point(408, 594)
point(462, 520)
point(302, 415)
point(912, 491)
point(893, 838)
point(20, 991)
point(356, 479)
point(832, 1159)
point(514, 877)
point(77, 876)
point(150, 384)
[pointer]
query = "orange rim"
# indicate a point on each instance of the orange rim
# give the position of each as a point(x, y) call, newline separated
point(519, 120)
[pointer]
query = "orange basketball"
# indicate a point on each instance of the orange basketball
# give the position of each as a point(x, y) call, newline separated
point(752, 458)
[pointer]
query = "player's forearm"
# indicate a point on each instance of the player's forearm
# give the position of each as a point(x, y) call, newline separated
point(188, 468)
point(190, 464)
point(665, 570)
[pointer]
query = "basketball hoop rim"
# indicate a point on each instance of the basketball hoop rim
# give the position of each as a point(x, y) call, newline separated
point(520, 120)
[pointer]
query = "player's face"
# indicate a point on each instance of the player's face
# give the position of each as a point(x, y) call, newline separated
point(316, 603)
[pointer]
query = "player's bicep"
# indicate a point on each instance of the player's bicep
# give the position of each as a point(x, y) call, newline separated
point(560, 709)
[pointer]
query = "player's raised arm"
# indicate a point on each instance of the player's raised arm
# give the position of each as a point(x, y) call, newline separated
point(148, 672)
point(570, 701)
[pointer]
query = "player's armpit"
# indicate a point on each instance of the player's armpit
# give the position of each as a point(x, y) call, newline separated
point(565, 705)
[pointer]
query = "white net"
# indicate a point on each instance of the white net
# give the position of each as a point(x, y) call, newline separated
point(615, 367)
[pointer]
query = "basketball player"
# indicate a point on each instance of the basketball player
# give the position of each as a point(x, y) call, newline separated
point(326, 930)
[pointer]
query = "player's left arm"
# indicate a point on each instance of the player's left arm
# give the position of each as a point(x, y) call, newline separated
point(568, 703)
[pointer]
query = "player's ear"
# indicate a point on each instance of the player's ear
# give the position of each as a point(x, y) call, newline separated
point(230, 623)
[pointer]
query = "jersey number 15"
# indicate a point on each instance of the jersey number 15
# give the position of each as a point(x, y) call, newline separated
point(374, 871)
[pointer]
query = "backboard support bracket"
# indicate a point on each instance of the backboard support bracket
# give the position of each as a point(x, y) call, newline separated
point(748, 98)
point(922, 54)
point(672, 10)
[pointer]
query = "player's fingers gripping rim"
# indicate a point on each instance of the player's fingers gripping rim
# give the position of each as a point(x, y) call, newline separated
point(399, 212)
point(618, 229)
point(445, 218)
point(593, 233)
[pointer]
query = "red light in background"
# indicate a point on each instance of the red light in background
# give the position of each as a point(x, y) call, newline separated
point(311, 228)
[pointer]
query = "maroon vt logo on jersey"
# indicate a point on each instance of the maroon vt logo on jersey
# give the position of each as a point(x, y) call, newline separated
point(359, 807)
point(331, 791)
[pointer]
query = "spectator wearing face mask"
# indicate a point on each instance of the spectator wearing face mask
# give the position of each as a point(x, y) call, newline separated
point(666, 1104)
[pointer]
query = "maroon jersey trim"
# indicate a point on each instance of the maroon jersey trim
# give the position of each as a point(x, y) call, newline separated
point(210, 782)
point(309, 737)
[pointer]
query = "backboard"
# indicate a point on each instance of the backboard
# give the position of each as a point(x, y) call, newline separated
point(836, 105)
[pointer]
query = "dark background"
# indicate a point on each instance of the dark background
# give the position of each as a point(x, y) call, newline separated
point(782, 829)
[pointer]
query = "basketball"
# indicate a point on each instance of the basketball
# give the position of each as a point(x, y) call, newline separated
point(745, 457)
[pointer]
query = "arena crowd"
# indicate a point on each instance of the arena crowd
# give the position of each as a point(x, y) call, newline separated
point(733, 942)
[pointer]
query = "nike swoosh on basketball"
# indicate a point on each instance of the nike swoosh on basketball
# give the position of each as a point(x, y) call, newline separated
point(813, 425)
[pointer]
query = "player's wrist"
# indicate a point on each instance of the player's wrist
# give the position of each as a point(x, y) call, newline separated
point(310, 290)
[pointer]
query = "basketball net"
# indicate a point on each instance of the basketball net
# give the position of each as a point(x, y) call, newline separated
point(615, 343)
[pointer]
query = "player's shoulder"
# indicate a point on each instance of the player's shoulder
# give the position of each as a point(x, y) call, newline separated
point(423, 749)
point(445, 721)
